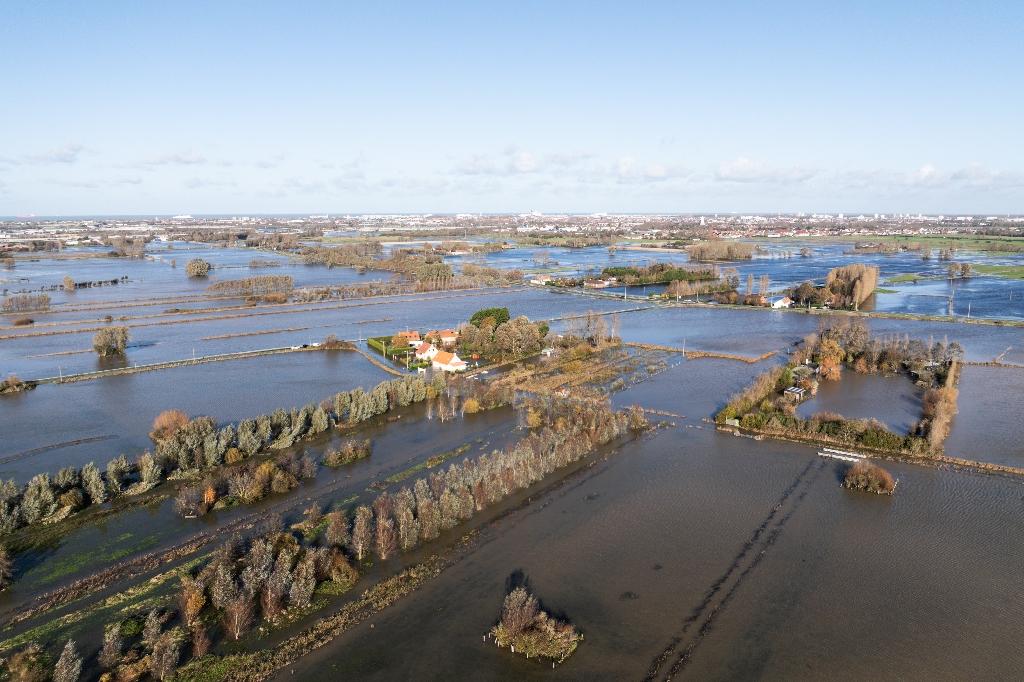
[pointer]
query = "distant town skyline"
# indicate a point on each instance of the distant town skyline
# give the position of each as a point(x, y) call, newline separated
point(237, 108)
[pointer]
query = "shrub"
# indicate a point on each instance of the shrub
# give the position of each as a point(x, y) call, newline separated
point(197, 267)
point(167, 423)
point(865, 475)
point(348, 452)
point(23, 322)
point(470, 406)
point(110, 341)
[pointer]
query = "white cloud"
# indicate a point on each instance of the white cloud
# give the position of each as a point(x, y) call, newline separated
point(69, 153)
point(189, 158)
point(743, 169)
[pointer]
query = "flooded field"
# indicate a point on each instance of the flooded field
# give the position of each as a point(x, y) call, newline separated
point(988, 424)
point(115, 415)
point(682, 528)
point(894, 400)
point(679, 551)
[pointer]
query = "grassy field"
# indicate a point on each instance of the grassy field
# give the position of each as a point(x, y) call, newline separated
point(958, 241)
point(1011, 271)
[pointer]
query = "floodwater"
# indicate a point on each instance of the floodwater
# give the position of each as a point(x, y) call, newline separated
point(397, 446)
point(114, 415)
point(994, 297)
point(42, 356)
point(780, 572)
point(892, 400)
point(988, 425)
point(162, 272)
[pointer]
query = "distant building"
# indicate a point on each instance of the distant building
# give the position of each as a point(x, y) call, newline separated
point(783, 302)
point(448, 362)
point(541, 280)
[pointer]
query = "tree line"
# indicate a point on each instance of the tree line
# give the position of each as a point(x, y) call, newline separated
point(278, 572)
point(198, 446)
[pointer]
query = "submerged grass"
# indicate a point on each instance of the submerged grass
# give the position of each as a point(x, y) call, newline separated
point(50, 571)
point(124, 601)
point(428, 463)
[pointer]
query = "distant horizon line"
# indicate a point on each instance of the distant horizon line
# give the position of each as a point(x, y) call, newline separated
point(695, 214)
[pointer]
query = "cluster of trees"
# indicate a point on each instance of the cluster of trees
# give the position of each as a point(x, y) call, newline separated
point(851, 285)
point(762, 405)
point(480, 275)
point(254, 286)
point(850, 343)
point(959, 270)
point(870, 477)
point(657, 273)
point(196, 446)
point(847, 287)
point(110, 341)
point(532, 632)
point(937, 412)
point(265, 578)
point(279, 572)
point(33, 664)
point(245, 485)
point(491, 334)
point(567, 431)
point(348, 452)
point(21, 303)
point(423, 267)
point(591, 329)
point(720, 250)
point(127, 247)
point(197, 267)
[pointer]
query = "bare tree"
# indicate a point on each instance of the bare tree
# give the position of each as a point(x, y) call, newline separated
point(238, 616)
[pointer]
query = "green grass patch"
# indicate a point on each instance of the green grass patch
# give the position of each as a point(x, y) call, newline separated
point(429, 463)
point(902, 278)
point(212, 668)
point(1010, 271)
point(880, 290)
point(54, 570)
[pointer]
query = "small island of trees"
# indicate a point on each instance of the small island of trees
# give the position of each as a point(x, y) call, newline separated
point(197, 267)
point(531, 632)
point(110, 341)
point(869, 477)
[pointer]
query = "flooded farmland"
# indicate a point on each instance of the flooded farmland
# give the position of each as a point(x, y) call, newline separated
point(676, 551)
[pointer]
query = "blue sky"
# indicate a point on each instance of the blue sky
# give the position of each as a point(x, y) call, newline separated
point(250, 107)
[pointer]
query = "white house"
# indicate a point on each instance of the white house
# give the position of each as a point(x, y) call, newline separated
point(783, 302)
point(426, 351)
point(448, 362)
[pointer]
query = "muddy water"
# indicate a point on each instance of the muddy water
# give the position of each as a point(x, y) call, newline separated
point(894, 401)
point(787, 575)
point(988, 425)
